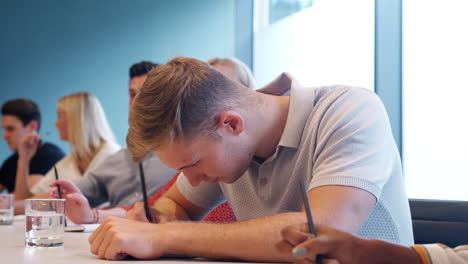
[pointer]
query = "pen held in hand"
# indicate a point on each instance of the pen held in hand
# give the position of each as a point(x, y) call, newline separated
point(58, 185)
point(59, 190)
point(310, 220)
point(143, 189)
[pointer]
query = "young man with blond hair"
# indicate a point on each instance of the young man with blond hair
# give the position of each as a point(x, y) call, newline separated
point(252, 150)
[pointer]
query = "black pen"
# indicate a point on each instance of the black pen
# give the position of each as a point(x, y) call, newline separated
point(310, 221)
point(143, 189)
point(59, 190)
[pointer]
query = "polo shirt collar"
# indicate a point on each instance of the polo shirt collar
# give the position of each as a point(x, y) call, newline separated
point(301, 103)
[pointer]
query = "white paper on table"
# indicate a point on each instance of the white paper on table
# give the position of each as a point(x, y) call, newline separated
point(82, 228)
point(19, 218)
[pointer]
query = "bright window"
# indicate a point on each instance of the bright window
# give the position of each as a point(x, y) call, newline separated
point(330, 42)
point(435, 92)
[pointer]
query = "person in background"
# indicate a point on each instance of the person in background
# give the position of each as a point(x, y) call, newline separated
point(83, 124)
point(21, 117)
point(116, 180)
point(237, 71)
point(345, 248)
point(79, 211)
point(252, 150)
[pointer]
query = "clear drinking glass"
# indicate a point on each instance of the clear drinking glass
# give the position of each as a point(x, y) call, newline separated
point(7, 209)
point(44, 222)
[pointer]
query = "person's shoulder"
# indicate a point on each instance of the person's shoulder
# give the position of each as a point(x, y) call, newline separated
point(66, 161)
point(341, 90)
point(10, 160)
point(49, 148)
point(360, 91)
point(343, 97)
point(122, 155)
point(12, 157)
point(118, 162)
point(110, 147)
point(47, 154)
point(339, 104)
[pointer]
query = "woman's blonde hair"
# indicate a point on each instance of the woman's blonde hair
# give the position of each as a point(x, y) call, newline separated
point(243, 72)
point(87, 125)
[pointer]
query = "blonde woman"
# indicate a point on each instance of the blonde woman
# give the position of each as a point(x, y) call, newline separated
point(82, 123)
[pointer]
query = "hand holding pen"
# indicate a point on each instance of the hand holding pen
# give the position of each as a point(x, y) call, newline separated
point(142, 211)
point(145, 196)
point(300, 240)
point(310, 220)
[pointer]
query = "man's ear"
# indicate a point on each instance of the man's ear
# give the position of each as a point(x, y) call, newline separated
point(231, 122)
point(33, 126)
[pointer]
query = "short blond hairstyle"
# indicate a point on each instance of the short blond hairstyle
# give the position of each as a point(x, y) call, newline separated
point(87, 124)
point(240, 69)
point(183, 97)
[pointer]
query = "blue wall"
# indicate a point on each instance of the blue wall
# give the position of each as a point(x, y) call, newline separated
point(50, 48)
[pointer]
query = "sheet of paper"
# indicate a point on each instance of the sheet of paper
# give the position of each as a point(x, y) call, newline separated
point(82, 228)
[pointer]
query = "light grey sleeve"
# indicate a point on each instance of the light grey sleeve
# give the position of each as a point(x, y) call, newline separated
point(441, 254)
point(355, 146)
point(205, 195)
point(91, 188)
point(96, 183)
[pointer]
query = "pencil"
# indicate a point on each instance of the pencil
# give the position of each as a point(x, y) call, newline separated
point(310, 220)
point(59, 190)
point(143, 189)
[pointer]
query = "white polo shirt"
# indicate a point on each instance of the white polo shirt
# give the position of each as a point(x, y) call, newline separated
point(334, 135)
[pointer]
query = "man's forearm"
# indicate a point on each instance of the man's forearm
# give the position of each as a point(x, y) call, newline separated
point(378, 251)
point(253, 240)
point(22, 190)
point(170, 208)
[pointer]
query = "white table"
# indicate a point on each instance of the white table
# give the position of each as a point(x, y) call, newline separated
point(75, 250)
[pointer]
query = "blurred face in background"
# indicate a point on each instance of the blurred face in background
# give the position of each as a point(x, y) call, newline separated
point(134, 86)
point(228, 71)
point(61, 124)
point(14, 130)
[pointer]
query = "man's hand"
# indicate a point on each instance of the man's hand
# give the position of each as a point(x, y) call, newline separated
point(28, 145)
point(138, 213)
point(340, 247)
point(77, 206)
point(118, 238)
point(330, 243)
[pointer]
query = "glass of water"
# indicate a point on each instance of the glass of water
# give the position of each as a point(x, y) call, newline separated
point(7, 209)
point(44, 222)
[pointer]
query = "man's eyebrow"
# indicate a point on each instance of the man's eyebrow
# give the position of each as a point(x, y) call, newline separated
point(188, 166)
